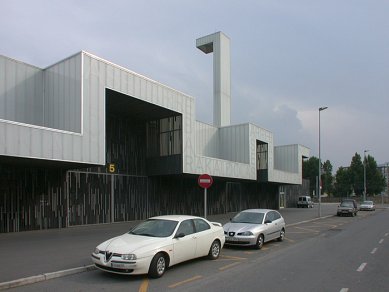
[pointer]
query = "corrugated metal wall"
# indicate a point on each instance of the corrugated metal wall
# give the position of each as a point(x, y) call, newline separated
point(286, 158)
point(62, 103)
point(21, 92)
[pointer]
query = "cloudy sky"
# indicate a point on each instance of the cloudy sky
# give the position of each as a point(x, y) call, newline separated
point(288, 58)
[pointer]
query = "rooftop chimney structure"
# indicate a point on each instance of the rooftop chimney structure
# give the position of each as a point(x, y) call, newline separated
point(219, 44)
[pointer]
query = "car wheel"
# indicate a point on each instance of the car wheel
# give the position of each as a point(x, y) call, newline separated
point(282, 235)
point(157, 266)
point(259, 243)
point(214, 250)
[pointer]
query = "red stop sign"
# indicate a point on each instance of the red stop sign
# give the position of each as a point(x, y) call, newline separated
point(205, 181)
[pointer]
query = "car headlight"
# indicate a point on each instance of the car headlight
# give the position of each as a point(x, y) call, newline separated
point(128, 257)
point(97, 251)
point(246, 233)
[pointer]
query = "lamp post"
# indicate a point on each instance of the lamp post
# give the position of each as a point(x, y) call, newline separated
point(364, 174)
point(319, 188)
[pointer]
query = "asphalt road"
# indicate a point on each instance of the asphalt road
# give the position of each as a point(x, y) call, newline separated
point(26, 254)
point(317, 255)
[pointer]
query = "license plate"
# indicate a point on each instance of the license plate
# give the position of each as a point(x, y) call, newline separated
point(116, 265)
point(231, 239)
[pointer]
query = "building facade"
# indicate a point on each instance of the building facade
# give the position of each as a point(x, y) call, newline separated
point(86, 141)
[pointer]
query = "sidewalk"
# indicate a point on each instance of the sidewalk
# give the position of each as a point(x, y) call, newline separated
point(47, 252)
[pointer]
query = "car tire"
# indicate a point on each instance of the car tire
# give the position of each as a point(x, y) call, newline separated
point(282, 235)
point(214, 250)
point(158, 266)
point(259, 243)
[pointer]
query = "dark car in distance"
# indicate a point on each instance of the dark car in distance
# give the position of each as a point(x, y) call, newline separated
point(348, 207)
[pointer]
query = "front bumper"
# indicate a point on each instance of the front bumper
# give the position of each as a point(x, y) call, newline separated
point(118, 266)
point(345, 212)
point(241, 240)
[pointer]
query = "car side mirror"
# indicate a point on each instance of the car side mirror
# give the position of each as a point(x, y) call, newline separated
point(180, 235)
point(267, 221)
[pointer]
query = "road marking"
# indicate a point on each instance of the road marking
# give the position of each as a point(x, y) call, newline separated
point(343, 290)
point(185, 281)
point(308, 230)
point(325, 224)
point(374, 250)
point(361, 267)
point(381, 241)
point(144, 286)
point(386, 234)
point(288, 239)
point(233, 258)
point(228, 266)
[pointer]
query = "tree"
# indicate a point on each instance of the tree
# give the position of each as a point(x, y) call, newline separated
point(356, 174)
point(375, 181)
point(311, 171)
point(343, 185)
point(327, 178)
point(354, 177)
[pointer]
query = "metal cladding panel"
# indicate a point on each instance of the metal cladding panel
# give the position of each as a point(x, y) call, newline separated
point(122, 80)
point(234, 142)
point(62, 105)
point(207, 140)
point(61, 109)
point(286, 158)
point(21, 92)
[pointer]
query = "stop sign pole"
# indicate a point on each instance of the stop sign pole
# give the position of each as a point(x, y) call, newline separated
point(205, 181)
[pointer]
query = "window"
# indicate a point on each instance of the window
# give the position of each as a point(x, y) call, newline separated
point(186, 227)
point(276, 216)
point(201, 225)
point(269, 216)
point(164, 137)
point(262, 153)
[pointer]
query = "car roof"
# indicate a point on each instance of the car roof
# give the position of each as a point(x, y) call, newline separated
point(258, 210)
point(175, 217)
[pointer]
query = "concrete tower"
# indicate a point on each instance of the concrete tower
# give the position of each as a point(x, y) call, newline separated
point(219, 44)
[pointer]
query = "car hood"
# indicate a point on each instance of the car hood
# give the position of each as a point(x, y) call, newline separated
point(241, 227)
point(130, 243)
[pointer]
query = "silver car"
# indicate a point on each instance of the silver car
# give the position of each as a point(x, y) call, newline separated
point(367, 206)
point(254, 227)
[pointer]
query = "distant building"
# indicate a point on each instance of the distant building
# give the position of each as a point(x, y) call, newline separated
point(85, 141)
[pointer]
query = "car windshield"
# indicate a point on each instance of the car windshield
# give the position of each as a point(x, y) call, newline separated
point(155, 228)
point(248, 217)
point(367, 203)
point(347, 204)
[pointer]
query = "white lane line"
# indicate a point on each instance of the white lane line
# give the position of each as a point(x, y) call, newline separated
point(343, 290)
point(374, 250)
point(381, 241)
point(361, 267)
point(386, 234)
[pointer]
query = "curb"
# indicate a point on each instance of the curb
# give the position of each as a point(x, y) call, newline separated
point(44, 277)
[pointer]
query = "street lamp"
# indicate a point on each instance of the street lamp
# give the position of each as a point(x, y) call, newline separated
point(364, 174)
point(319, 188)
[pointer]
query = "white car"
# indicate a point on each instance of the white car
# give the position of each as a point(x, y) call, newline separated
point(367, 206)
point(159, 242)
point(254, 227)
